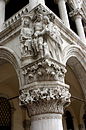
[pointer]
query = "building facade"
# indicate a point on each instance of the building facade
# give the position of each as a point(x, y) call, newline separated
point(43, 65)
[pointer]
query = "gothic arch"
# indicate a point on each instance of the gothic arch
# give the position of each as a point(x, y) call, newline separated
point(74, 51)
point(10, 56)
point(75, 55)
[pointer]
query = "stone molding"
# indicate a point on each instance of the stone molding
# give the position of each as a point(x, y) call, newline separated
point(10, 56)
point(76, 51)
point(46, 117)
point(76, 13)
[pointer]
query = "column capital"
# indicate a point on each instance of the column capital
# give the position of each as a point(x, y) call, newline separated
point(76, 13)
point(46, 99)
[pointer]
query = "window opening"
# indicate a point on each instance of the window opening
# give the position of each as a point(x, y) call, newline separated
point(5, 114)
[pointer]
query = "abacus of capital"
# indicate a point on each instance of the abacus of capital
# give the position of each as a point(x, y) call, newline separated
point(43, 91)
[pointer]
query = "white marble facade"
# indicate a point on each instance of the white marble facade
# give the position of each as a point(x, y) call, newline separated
point(38, 44)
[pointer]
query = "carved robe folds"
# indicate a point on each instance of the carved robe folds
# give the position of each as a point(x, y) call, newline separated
point(43, 89)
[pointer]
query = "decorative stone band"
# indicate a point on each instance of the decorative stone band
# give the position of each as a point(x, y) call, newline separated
point(76, 12)
point(45, 100)
point(46, 116)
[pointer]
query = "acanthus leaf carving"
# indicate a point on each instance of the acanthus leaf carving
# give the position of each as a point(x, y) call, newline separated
point(43, 70)
point(42, 100)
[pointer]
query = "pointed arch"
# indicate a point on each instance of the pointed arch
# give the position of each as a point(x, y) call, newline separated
point(9, 55)
point(75, 56)
point(74, 51)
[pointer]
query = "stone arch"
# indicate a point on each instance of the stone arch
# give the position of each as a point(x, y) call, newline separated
point(75, 53)
point(9, 55)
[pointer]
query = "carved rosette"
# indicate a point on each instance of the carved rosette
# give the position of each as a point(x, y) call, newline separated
point(45, 69)
point(45, 100)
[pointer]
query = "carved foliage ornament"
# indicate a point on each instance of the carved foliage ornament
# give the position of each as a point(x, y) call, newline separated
point(61, 94)
point(43, 70)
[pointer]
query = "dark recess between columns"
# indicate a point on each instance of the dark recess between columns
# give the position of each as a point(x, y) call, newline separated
point(13, 6)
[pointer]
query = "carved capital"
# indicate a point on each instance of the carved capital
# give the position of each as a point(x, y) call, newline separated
point(76, 13)
point(45, 69)
point(45, 100)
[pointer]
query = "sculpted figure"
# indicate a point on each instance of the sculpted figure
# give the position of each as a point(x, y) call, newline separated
point(26, 37)
point(38, 33)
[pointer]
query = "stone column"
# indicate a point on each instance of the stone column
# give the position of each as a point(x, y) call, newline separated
point(43, 90)
point(45, 98)
point(2, 13)
point(63, 12)
point(34, 3)
point(77, 15)
point(47, 122)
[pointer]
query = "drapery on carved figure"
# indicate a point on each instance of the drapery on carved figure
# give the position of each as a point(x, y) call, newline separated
point(26, 37)
point(40, 36)
point(39, 31)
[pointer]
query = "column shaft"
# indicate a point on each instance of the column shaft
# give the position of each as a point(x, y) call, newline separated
point(79, 26)
point(47, 122)
point(2, 13)
point(63, 12)
point(34, 3)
